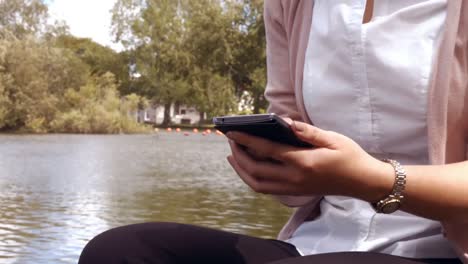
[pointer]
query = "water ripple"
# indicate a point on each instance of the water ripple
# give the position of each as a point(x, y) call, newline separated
point(59, 191)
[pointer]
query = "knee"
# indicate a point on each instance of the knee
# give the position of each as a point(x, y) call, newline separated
point(98, 248)
point(115, 245)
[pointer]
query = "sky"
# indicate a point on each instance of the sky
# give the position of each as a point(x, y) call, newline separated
point(86, 18)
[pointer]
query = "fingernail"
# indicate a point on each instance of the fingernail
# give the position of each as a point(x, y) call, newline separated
point(299, 127)
point(288, 120)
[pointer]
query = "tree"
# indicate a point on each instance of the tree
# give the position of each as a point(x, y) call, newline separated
point(33, 78)
point(100, 59)
point(52, 81)
point(249, 63)
point(209, 41)
point(156, 36)
point(211, 93)
point(23, 17)
point(5, 103)
point(96, 107)
point(192, 51)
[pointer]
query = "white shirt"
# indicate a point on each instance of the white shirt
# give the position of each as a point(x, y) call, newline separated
point(370, 82)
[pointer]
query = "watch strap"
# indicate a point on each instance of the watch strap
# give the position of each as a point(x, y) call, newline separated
point(396, 197)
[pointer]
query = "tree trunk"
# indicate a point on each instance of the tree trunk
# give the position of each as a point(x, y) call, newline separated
point(202, 118)
point(167, 114)
point(256, 104)
point(177, 108)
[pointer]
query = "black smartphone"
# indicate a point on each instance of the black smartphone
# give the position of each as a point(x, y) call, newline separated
point(269, 126)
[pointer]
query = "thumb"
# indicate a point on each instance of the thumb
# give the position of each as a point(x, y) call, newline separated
point(288, 120)
point(313, 135)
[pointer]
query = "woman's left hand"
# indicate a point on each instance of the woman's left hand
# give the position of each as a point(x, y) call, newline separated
point(335, 166)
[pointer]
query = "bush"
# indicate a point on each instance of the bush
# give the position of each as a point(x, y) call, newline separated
point(33, 76)
point(96, 108)
point(49, 89)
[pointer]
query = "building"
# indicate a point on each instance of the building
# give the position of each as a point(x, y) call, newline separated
point(179, 115)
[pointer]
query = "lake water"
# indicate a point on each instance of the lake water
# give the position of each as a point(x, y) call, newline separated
point(59, 191)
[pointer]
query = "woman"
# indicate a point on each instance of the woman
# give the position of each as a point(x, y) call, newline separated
point(385, 85)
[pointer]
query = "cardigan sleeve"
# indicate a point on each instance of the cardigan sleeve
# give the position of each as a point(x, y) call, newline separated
point(280, 89)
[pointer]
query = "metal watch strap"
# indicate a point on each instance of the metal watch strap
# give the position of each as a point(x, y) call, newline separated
point(398, 187)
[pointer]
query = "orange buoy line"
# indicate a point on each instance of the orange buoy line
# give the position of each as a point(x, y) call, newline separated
point(206, 132)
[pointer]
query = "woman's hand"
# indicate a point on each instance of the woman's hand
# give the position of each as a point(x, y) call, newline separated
point(336, 166)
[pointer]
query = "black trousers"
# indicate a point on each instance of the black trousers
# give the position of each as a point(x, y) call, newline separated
point(155, 243)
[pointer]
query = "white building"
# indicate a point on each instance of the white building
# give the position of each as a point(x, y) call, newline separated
point(182, 115)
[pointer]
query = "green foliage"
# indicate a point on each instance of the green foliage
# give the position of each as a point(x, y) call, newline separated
point(193, 51)
point(133, 102)
point(212, 93)
point(49, 89)
point(97, 108)
point(154, 30)
point(5, 104)
point(99, 59)
point(33, 78)
point(206, 53)
point(249, 63)
point(23, 17)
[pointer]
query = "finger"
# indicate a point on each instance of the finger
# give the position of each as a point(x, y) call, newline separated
point(314, 135)
point(287, 120)
point(255, 155)
point(265, 187)
point(279, 152)
point(263, 147)
point(261, 170)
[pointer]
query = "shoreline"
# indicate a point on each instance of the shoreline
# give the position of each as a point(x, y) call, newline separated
point(151, 130)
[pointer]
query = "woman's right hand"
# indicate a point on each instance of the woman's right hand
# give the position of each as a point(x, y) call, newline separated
point(335, 164)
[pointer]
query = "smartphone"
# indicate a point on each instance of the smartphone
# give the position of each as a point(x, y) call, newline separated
point(268, 126)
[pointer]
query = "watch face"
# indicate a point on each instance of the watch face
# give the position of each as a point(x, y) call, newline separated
point(391, 206)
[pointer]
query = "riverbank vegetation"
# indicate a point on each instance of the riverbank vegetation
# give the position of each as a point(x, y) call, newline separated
point(209, 54)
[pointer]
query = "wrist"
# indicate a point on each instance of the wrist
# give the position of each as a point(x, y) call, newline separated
point(380, 179)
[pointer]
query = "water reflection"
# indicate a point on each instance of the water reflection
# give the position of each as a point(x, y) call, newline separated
point(57, 192)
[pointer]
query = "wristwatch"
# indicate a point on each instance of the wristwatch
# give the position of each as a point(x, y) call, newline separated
point(393, 201)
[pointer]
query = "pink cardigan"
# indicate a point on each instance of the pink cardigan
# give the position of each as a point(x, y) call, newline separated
point(287, 25)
